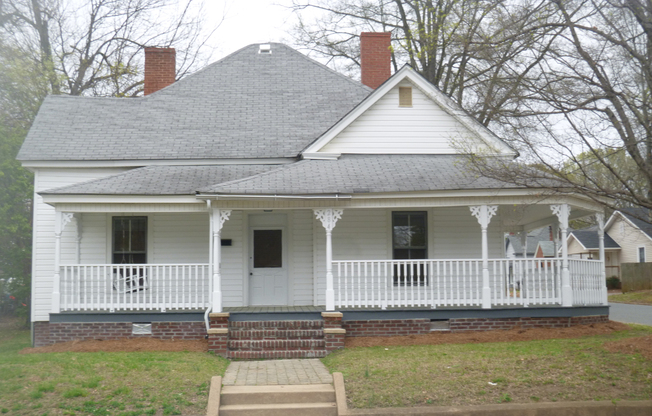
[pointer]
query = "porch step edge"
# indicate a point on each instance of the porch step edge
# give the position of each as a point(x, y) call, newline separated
point(276, 344)
point(253, 355)
point(258, 334)
point(290, 324)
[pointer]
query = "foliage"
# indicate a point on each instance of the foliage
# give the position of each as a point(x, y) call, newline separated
point(485, 373)
point(613, 282)
point(103, 383)
point(643, 297)
point(94, 47)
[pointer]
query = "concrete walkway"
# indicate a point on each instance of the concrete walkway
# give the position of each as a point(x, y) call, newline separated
point(632, 314)
point(276, 372)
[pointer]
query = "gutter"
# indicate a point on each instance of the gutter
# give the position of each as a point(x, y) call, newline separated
point(275, 196)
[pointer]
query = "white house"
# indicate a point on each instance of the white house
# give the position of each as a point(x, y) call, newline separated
point(269, 188)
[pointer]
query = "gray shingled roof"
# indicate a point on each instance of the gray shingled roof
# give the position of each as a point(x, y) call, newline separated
point(162, 180)
point(641, 217)
point(590, 240)
point(247, 105)
point(532, 240)
point(547, 248)
point(352, 174)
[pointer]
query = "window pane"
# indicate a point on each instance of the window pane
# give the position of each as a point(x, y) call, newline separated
point(268, 248)
point(139, 234)
point(120, 235)
point(129, 240)
point(409, 230)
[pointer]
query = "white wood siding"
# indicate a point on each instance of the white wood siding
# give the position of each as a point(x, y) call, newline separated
point(457, 235)
point(574, 247)
point(386, 128)
point(233, 260)
point(630, 239)
point(301, 255)
point(43, 236)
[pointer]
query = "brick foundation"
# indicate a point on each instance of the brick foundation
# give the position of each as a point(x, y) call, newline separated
point(386, 328)
point(486, 324)
point(298, 335)
point(47, 333)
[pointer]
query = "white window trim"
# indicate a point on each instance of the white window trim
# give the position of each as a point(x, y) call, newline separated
point(638, 254)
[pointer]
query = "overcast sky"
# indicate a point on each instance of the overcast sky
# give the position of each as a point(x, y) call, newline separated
point(247, 22)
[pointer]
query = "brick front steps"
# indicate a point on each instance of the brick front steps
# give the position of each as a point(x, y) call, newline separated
point(251, 340)
point(276, 339)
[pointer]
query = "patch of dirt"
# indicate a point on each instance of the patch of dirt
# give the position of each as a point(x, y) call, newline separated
point(516, 334)
point(642, 345)
point(122, 345)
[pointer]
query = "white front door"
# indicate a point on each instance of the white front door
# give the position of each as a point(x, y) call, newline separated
point(268, 277)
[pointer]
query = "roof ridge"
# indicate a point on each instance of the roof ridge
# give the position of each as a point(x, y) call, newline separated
point(91, 181)
point(235, 181)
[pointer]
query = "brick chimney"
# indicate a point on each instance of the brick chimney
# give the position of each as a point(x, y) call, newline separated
point(160, 68)
point(375, 58)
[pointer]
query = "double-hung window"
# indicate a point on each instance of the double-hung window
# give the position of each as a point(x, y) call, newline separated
point(129, 247)
point(409, 242)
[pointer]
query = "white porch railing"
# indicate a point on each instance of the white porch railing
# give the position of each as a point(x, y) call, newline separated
point(114, 287)
point(587, 281)
point(435, 283)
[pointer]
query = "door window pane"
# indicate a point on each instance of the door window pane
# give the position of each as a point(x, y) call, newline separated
point(268, 248)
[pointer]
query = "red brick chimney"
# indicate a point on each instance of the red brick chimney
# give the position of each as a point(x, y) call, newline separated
point(375, 58)
point(160, 68)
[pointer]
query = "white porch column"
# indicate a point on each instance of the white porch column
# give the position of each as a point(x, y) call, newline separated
point(562, 212)
point(603, 272)
point(523, 235)
point(328, 218)
point(61, 219)
point(218, 217)
point(483, 213)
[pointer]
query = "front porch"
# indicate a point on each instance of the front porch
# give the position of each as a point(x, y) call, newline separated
point(371, 254)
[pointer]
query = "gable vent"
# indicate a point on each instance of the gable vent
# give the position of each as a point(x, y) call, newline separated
point(265, 48)
point(405, 96)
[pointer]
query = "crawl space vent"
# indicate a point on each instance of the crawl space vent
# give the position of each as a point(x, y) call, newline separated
point(141, 329)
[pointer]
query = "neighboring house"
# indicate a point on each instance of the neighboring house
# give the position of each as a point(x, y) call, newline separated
point(514, 242)
point(268, 188)
point(545, 249)
point(585, 244)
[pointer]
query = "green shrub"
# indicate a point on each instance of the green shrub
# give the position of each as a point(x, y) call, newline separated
point(613, 282)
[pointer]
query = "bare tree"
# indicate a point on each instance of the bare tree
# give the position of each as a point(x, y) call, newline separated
point(93, 47)
point(481, 54)
point(588, 122)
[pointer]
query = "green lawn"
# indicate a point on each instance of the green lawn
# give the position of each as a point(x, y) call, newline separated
point(643, 297)
point(469, 374)
point(138, 383)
